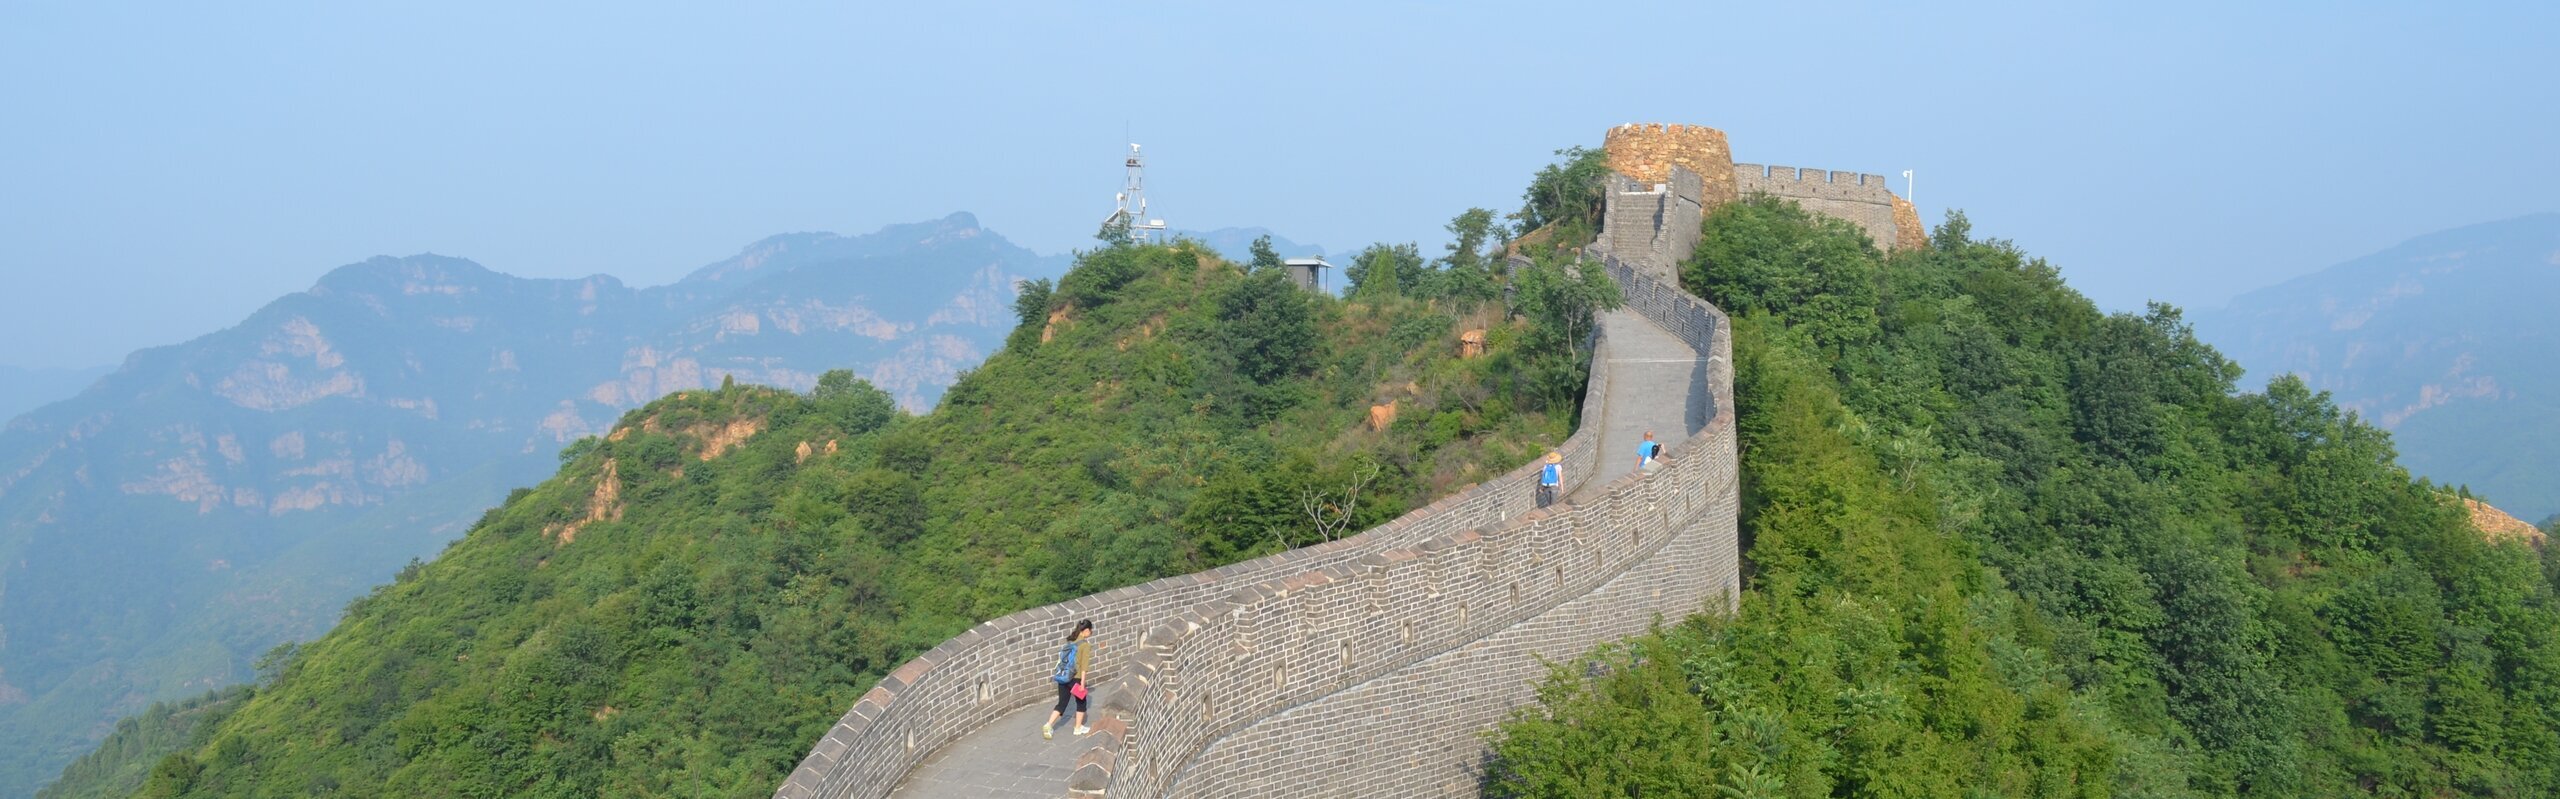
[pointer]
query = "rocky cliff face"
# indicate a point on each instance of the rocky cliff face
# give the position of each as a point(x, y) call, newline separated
point(209, 499)
point(2446, 339)
point(2497, 525)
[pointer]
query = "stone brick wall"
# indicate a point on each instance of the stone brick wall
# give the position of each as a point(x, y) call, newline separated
point(1376, 677)
point(1647, 152)
point(1863, 200)
point(1908, 233)
point(1654, 226)
point(1647, 160)
point(1369, 665)
point(1001, 665)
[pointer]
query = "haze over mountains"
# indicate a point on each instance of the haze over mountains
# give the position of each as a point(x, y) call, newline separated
point(24, 388)
point(207, 500)
point(1236, 243)
point(2448, 340)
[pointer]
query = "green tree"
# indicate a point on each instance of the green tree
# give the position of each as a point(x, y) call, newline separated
point(1031, 304)
point(1563, 301)
point(1764, 255)
point(1268, 328)
point(1384, 270)
point(2138, 581)
point(1114, 232)
point(1468, 233)
point(1567, 193)
point(852, 401)
point(1265, 259)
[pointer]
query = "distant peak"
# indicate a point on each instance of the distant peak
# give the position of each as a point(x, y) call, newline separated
point(795, 248)
point(383, 271)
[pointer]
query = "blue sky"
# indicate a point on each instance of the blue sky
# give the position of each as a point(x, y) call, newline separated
point(167, 168)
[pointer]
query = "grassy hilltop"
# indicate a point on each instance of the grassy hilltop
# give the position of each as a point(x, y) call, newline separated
point(697, 595)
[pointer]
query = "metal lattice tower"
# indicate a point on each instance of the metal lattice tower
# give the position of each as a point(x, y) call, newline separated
point(1133, 202)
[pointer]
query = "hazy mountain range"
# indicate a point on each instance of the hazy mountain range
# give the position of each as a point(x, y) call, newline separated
point(207, 500)
point(1236, 244)
point(2448, 340)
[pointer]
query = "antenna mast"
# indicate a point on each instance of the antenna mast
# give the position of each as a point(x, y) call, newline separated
point(1133, 202)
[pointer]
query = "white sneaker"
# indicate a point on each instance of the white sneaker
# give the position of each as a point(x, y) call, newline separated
point(1046, 732)
point(1081, 729)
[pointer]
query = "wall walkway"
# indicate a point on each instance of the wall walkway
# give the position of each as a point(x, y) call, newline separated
point(1364, 666)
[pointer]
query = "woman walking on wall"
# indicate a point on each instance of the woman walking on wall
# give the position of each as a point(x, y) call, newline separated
point(1550, 476)
point(1070, 678)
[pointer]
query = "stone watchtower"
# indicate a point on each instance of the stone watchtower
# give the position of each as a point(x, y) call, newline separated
point(1648, 154)
point(1665, 178)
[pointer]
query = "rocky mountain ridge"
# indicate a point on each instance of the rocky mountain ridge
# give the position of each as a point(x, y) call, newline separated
point(208, 499)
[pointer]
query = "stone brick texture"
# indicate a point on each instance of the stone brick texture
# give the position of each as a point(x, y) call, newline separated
point(1371, 665)
point(1908, 233)
point(1646, 153)
point(999, 666)
point(1654, 225)
point(1647, 203)
point(1862, 200)
point(1378, 677)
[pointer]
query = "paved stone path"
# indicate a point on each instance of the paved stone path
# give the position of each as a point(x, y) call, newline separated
point(1648, 368)
point(1004, 760)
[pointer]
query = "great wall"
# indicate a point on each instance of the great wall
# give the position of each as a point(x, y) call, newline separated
point(1371, 665)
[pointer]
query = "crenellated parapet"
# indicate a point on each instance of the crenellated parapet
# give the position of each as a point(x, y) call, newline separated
point(1648, 159)
point(973, 679)
point(1375, 677)
point(1788, 181)
point(1371, 665)
point(1860, 199)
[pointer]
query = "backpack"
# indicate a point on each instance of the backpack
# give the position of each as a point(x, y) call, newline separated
point(1066, 672)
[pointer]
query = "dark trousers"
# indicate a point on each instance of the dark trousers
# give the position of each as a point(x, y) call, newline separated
point(1066, 693)
point(1546, 494)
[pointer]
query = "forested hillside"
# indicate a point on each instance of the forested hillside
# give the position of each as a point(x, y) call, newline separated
point(210, 499)
point(698, 594)
point(119, 764)
point(2444, 339)
point(2003, 544)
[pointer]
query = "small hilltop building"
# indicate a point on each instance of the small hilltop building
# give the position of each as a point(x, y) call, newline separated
point(1308, 273)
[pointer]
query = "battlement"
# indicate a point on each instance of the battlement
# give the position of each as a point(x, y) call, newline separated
point(1369, 665)
point(1788, 181)
point(1650, 154)
point(1469, 596)
point(1860, 199)
point(1414, 649)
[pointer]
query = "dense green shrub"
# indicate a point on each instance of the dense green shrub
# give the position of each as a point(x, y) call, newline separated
point(2002, 543)
point(683, 612)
